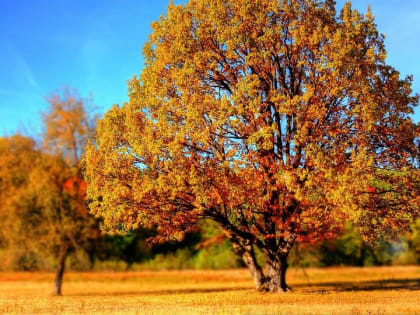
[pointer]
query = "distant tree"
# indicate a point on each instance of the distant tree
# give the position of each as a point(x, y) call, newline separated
point(279, 120)
point(69, 125)
point(42, 192)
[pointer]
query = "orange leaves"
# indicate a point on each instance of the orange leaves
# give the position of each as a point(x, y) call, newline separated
point(75, 187)
point(230, 154)
point(67, 125)
point(371, 190)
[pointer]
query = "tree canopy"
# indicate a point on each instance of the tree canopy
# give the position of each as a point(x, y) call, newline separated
point(279, 120)
point(68, 124)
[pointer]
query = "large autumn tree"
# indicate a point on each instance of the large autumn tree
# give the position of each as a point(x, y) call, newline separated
point(279, 120)
point(42, 193)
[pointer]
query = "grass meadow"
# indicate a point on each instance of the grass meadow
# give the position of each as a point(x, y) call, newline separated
point(376, 290)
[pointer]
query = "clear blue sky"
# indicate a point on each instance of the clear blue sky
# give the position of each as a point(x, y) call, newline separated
point(96, 46)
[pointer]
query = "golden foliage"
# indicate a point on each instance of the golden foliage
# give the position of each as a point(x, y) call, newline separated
point(37, 211)
point(244, 106)
point(273, 118)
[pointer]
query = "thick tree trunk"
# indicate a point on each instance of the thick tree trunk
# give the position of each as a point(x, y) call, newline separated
point(276, 260)
point(276, 254)
point(60, 270)
point(276, 274)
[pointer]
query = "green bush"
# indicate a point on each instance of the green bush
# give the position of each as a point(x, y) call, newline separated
point(216, 256)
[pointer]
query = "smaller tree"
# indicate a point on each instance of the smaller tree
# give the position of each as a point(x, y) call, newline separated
point(42, 192)
point(68, 127)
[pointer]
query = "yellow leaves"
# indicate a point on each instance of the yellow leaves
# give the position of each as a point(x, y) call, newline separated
point(234, 111)
point(231, 153)
point(262, 138)
point(289, 180)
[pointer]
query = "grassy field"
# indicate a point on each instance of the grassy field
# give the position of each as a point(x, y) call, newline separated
point(389, 290)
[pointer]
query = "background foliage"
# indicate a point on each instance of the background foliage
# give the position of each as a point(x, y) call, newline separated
point(196, 252)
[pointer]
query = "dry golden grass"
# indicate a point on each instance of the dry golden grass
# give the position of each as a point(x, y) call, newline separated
point(391, 290)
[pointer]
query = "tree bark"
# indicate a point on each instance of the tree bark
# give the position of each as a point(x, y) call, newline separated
point(246, 251)
point(277, 265)
point(60, 270)
point(276, 274)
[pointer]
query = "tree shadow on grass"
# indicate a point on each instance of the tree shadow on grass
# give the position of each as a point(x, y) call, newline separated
point(161, 292)
point(318, 288)
point(373, 285)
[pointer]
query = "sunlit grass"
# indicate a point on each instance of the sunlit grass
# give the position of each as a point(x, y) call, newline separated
point(390, 290)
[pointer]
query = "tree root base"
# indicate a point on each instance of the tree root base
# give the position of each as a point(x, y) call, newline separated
point(266, 289)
